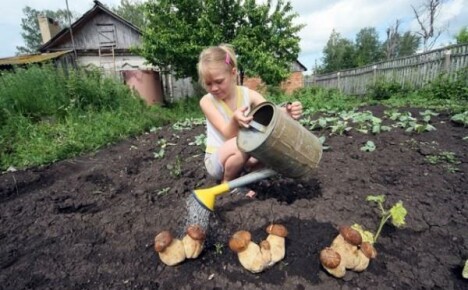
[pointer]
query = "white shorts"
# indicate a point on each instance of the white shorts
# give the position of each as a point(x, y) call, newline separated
point(213, 166)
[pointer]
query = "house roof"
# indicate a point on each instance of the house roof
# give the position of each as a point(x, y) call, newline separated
point(64, 34)
point(301, 65)
point(31, 58)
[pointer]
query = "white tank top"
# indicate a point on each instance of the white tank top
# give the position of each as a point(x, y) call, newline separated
point(214, 138)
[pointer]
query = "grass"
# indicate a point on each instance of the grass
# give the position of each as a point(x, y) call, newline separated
point(48, 115)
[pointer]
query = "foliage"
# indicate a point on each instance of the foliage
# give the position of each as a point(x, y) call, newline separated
point(368, 147)
point(462, 36)
point(368, 47)
point(132, 11)
point(47, 115)
point(30, 26)
point(338, 54)
point(264, 35)
point(396, 213)
point(383, 89)
point(461, 118)
point(446, 86)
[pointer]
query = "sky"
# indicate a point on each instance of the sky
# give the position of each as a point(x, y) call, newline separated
point(347, 17)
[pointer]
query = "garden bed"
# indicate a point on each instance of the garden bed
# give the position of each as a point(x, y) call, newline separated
point(90, 222)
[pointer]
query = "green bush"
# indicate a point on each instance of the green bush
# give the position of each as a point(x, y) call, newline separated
point(454, 87)
point(385, 89)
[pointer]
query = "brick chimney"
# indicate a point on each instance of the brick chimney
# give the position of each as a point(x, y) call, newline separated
point(48, 27)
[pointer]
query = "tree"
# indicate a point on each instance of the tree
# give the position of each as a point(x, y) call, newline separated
point(409, 44)
point(426, 17)
point(338, 54)
point(30, 26)
point(462, 36)
point(263, 35)
point(368, 47)
point(132, 11)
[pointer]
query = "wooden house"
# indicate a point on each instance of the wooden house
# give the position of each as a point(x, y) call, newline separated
point(100, 38)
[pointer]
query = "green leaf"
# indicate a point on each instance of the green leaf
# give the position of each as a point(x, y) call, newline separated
point(367, 236)
point(398, 213)
point(369, 147)
point(376, 198)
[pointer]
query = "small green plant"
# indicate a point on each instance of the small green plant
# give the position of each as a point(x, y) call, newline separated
point(449, 159)
point(162, 143)
point(427, 115)
point(369, 147)
point(396, 213)
point(200, 140)
point(163, 191)
point(461, 118)
point(219, 248)
point(322, 141)
point(188, 124)
point(175, 169)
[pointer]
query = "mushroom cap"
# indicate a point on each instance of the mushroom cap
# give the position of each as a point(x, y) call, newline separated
point(239, 241)
point(277, 230)
point(351, 235)
point(196, 232)
point(330, 258)
point(368, 250)
point(162, 240)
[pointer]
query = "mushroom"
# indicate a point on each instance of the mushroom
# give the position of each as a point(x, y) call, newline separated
point(193, 241)
point(331, 261)
point(171, 251)
point(276, 238)
point(252, 257)
point(347, 251)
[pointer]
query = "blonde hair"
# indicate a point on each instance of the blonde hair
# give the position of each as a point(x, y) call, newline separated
point(222, 54)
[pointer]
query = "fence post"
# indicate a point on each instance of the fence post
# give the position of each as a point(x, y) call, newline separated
point(448, 52)
point(374, 71)
point(338, 80)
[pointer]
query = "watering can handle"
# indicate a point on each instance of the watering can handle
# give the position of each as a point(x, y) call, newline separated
point(251, 177)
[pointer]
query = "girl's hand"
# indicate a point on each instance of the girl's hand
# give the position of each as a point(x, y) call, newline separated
point(294, 110)
point(241, 118)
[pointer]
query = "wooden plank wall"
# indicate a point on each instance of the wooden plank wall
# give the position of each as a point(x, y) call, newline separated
point(415, 70)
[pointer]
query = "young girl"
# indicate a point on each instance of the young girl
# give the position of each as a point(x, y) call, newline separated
point(226, 107)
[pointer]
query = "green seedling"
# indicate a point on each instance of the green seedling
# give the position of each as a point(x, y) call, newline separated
point(175, 169)
point(448, 158)
point(187, 124)
point(427, 115)
point(162, 143)
point(219, 248)
point(461, 118)
point(200, 140)
point(369, 147)
point(163, 191)
point(322, 141)
point(396, 213)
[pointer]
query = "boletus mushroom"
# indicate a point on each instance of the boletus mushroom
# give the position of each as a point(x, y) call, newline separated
point(252, 257)
point(276, 237)
point(348, 250)
point(193, 241)
point(171, 251)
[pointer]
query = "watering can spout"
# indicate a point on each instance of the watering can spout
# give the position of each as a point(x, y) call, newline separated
point(206, 197)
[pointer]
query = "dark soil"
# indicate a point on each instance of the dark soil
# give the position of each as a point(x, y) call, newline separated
point(89, 222)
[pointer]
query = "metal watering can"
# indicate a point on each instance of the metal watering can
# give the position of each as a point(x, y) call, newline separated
point(281, 143)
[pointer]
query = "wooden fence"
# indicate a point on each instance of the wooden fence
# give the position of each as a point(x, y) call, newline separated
point(415, 70)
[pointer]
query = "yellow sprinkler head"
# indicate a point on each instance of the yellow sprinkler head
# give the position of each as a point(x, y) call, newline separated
point(207, 197)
